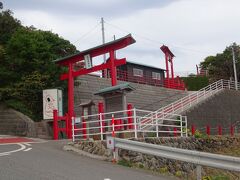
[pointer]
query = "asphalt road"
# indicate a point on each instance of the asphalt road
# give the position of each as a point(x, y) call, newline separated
point(47, 161)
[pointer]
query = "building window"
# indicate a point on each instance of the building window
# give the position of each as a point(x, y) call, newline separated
point(156, 75)
point(137, 72)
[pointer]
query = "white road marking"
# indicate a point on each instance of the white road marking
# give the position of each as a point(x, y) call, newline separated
point(22, 147)
point(28, 149)
point(27, 144)
point(4, 154)
point(107, 179)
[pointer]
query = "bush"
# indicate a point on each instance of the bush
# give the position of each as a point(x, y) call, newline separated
point(19, 106)
point(195, 83)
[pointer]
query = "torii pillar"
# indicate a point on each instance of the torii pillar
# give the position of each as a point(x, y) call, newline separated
point(168, 58)
point(87, 56)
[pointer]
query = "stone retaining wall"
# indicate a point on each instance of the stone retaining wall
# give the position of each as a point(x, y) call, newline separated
point(162, 165)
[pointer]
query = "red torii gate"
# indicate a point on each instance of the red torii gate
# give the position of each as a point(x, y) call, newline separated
point(68, 61)
point(168, 57)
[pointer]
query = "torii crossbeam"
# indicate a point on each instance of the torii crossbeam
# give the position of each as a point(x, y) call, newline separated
point(68, 61)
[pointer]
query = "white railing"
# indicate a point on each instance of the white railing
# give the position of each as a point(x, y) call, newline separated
point(188, 101)
point(126, 124)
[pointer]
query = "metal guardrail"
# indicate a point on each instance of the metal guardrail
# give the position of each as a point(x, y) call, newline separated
point(190, 100)
point(190, 156)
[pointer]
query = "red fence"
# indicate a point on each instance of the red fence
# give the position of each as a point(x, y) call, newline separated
point(57, 129)
point(218, 130)
point(175, 83)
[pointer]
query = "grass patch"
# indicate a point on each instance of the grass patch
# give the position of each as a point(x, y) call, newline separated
point(124, 163)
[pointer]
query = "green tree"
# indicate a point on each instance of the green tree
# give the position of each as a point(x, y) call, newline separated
point(27, 67)
point(221, 65)
point(8, 25)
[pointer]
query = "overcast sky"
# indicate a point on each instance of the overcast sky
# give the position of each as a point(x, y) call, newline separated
point(192, 29)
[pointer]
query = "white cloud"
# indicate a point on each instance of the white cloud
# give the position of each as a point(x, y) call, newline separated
point(193, 29)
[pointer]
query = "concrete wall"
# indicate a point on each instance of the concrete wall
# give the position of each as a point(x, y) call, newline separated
point(221, 109)
point(15, 123)
point(144, 97)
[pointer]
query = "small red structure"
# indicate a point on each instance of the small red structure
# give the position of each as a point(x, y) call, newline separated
point(171, 82)
point(87, 55)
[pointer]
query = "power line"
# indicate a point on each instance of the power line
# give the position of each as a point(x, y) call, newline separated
point(87, 33)
point(155, 41)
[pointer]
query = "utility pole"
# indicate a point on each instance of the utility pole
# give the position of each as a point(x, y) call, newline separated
point(103, 41)
point(234, 68)
point(103, 38)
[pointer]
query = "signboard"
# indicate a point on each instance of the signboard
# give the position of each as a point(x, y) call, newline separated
point(52, 99)
point(88, 61)
point(78, 120)
point(110, 142)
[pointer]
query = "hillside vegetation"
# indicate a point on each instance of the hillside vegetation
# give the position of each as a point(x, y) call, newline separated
point(26, 64)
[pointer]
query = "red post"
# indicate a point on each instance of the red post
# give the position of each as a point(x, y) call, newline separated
point(55, 124)
point(219, 130)
point(193, 130)
point(66, 124)
point(175, 132)
point(130, 116)
point(232, 130)
point(208, 130)
point(113, 128)
point(171, 60)
point(70, 99)
point(167, 70)
point(101, 110)
point(84, 130)
point(113, 68)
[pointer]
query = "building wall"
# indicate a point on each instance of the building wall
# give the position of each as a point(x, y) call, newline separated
point(147, 74)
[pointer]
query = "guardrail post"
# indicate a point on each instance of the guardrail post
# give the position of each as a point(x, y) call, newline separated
point(219, 130)
point(208, 130)
point(115, 155)
point(113, 128)
point(193, 130)
point(181, 123)
point(232, 130)
point(129, 114)
point(84, 128)
point(73, 134)
point(186, 126)
point(199, 172)
point(175, 132)
point(135, 122)
point(101, 126)
point(156, 124)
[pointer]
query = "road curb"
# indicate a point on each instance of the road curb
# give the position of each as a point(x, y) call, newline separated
point(84, 153)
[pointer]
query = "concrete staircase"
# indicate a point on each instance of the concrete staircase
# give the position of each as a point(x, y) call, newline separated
point(186, 103)
point(43, 130)
point(144, 97)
